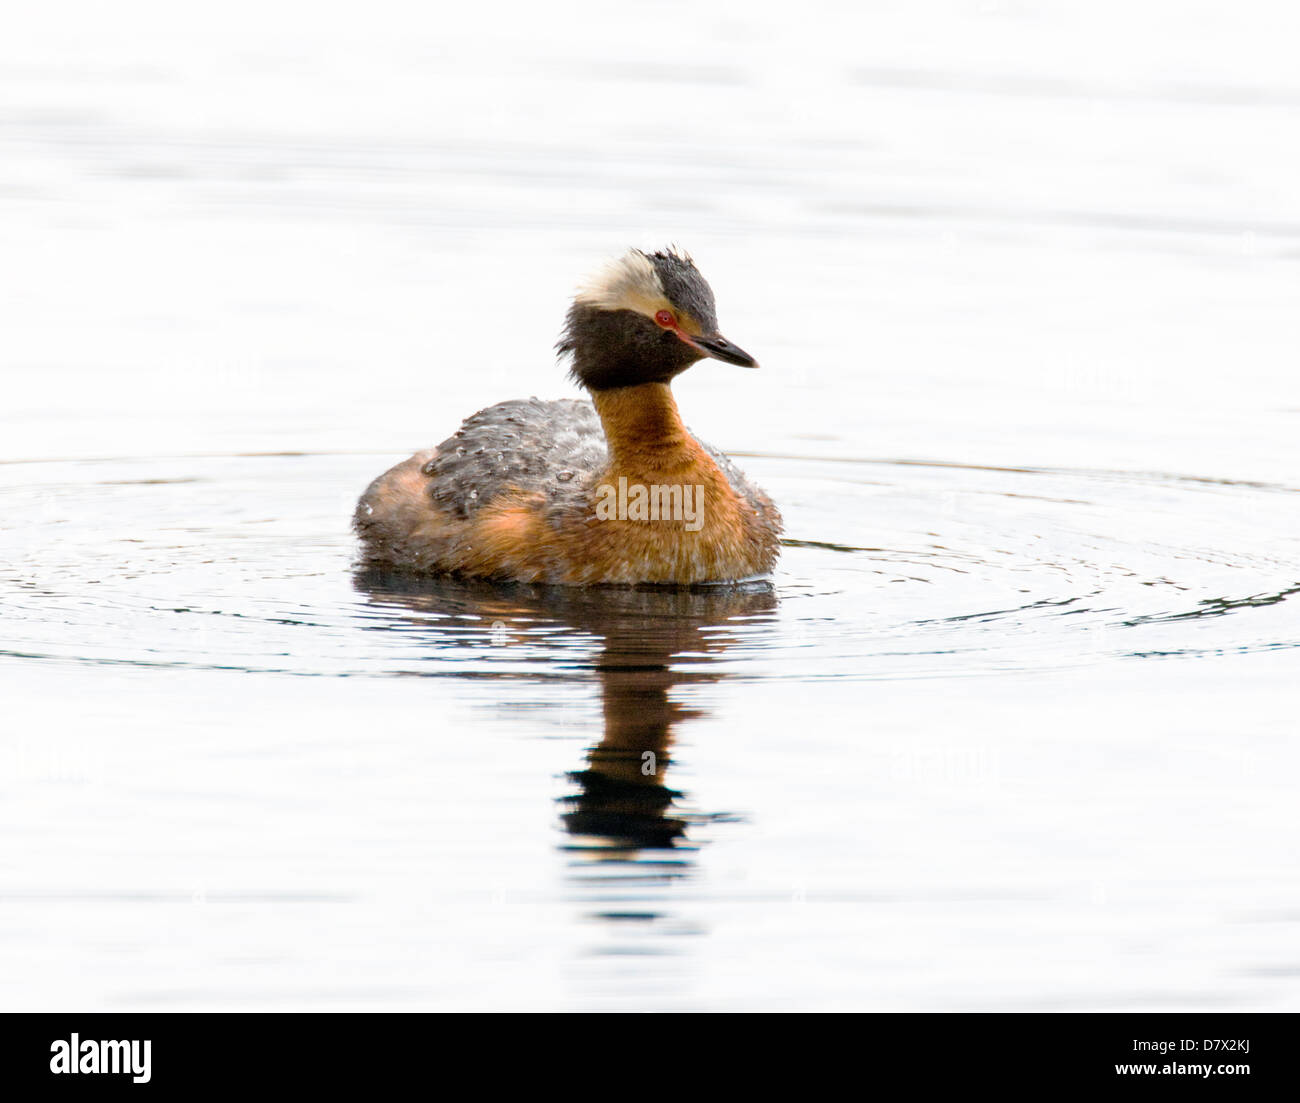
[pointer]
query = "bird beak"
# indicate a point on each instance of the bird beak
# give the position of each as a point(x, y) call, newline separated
point(720, 348)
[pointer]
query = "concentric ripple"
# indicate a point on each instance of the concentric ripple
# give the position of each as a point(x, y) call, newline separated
point(892, 569)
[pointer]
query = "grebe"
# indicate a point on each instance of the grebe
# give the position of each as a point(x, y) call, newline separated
point(616, 490)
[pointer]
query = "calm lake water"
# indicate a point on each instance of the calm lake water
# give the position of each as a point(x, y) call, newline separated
point(1012, 727)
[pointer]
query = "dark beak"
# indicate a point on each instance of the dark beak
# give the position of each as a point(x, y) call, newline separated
point(720, 348)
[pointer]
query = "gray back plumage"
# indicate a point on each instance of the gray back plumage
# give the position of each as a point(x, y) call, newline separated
point(556, 447)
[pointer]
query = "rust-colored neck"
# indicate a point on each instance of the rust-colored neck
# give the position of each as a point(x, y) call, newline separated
point(643, 429)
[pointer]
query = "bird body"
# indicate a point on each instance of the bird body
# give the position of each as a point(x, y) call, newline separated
point(615, 490)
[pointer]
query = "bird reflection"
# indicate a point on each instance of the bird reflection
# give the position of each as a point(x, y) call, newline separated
point(649, 641)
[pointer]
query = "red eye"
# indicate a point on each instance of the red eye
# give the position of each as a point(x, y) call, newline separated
point(666, 319)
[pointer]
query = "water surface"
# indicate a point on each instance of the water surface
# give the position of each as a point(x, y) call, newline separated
point(1012, 725)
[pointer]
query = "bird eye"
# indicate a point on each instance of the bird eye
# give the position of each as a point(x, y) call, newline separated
point(666, 319)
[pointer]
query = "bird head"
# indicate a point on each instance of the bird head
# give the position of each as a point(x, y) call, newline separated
point(644, 318)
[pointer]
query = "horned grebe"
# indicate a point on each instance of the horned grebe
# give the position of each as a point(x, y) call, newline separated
point(616, 490)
